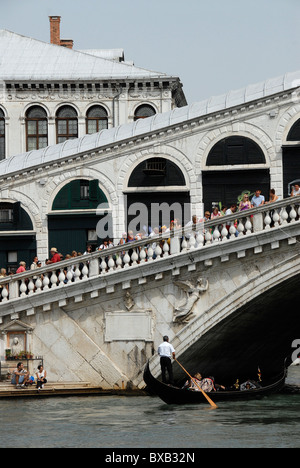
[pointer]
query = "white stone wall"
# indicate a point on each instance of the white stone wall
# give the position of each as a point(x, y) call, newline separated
point(187, 145)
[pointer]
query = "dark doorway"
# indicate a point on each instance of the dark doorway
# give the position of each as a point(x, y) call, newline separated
point(168, 199)
point(291, 168)
point(72, 225)
point(16, 249)
point(16, 244)
point(158, 209)
point(71, 232)
point(225, 187)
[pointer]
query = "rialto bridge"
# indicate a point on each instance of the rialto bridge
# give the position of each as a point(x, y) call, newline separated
point(226, 294)
point(227, 303)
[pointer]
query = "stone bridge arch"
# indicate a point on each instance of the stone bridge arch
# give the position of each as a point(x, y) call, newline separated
point(247, 318)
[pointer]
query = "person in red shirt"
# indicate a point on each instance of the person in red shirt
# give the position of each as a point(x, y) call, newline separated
point(21, 268)
point(55, 256)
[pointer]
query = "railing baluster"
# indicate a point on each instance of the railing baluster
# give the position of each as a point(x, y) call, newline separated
point(38, 285)
point(61, 277)
point(166, 248)
point(284, 216)
point(85, 272)
point(158, 251)
point(150, 253)
point(70, 275)
point(103, 266)
point(248, 226)
point(267, 221)
point(134, 257)
point(126, 259)
point(276, 218)
point(4, 294)
point(30, 286)
point(232, 231)
point(53, 280)
point(23, 288)
point(241, 228)
point(111, 263)
point(293, 214)
point(119, 262)
point(143, 255)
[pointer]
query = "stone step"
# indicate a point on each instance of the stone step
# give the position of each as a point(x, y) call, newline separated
point(7, 390)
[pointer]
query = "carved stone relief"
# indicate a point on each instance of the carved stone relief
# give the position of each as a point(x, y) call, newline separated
point(193, 291)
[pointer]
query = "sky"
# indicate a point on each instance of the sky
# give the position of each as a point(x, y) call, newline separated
point(214, 46)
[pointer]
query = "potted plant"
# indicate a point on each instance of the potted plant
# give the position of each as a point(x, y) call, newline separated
point(8, 354)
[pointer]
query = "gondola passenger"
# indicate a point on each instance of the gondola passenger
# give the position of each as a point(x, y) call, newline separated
point(194, 383)
point(249, 385)
point(208, 385)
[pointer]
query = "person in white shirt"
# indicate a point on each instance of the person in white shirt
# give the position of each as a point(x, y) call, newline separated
point(166, 352)
point(258, 199)
point(295, 190)
point(231, 210)
point(41, 377)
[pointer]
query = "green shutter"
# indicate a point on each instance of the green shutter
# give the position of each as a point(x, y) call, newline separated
point(94, 185)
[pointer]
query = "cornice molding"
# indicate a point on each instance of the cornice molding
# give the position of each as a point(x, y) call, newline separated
point(166, 134)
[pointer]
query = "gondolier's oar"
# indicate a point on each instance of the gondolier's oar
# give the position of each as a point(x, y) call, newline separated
point(203, 392)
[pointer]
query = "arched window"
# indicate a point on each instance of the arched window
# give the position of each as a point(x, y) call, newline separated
point(294, 133)
point(73, 222)
point(36, 128)
point(96, 119)
point(14, 217)
point(157, 194)
point(144, 111)
point(66, 124)
point(2, 135)
point(235, 150)
point(156, 172)
point(79, 195)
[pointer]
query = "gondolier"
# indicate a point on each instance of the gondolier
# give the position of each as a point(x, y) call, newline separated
point(166, 352)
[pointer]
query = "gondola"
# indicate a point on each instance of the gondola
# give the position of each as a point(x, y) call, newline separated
point(177, 396)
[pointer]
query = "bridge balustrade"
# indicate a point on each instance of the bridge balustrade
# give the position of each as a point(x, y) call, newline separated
point(130, 255)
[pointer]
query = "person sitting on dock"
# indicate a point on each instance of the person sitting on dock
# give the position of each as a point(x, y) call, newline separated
point(20, 376)
point(41, 377)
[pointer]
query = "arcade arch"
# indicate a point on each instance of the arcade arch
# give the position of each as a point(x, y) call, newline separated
point(73, 219)
point(235, 164)
point(157, 193)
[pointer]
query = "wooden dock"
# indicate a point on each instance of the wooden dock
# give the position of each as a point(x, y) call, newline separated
point(63, 389)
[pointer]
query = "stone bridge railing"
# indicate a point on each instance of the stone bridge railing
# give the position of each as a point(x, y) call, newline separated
point(151, 249)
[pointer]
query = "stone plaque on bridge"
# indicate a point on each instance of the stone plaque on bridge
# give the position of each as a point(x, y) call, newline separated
point(129, 326)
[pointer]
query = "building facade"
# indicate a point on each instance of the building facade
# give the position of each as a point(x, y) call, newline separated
point(50, 93)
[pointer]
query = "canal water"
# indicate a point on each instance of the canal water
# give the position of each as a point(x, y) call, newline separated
point(114, 422)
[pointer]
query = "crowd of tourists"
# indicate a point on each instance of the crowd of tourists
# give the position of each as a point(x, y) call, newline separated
point(246, 202)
